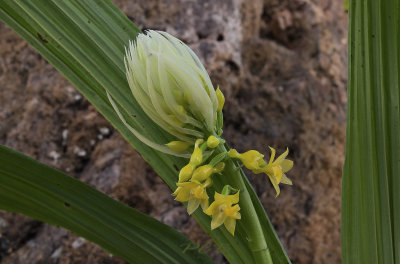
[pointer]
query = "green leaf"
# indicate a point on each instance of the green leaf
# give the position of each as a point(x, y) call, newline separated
point(43, 193)
point(85, 41)
point(371, 174)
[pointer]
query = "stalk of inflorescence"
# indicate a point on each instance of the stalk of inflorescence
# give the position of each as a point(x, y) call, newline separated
point(172, 86)
point(254, 232)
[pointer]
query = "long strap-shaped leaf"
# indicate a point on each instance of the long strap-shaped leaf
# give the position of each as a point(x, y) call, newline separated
point(371, 175)
point(85, 41)
point(36, 190)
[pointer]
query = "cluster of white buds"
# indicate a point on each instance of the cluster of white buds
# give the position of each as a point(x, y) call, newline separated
point(172, 87)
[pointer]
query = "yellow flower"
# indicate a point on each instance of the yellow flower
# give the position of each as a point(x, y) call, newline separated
point(276, 169)
point(194, 193)
point(252, 159)
point(224, 212)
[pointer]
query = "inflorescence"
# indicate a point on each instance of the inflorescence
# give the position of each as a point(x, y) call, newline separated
point(173, 88)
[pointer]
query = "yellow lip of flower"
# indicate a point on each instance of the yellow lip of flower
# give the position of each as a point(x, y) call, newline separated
point(276, 169)
point(252, 159)
point(194, 193)
point(224, 212)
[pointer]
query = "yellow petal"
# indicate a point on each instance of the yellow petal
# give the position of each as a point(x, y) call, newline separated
point(204, 204)
point(271, 159)
point(286, 165)
point(281, 158)
point(212, 208)
point(235, 198)
point(182, 194)
point(217, 220)
point(286, 180)
point(276, 186)
point(193, 204)
point(230, 224)
point(277, 174)
point(230, 199)
point(231, 211)
point(218, 196)
point(176, 191)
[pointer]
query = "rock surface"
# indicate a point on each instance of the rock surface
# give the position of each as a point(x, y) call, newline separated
point(282, 67)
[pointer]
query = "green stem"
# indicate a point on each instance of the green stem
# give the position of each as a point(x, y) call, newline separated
point(254, 231)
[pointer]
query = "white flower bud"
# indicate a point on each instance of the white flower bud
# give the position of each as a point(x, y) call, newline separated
point(171, 85)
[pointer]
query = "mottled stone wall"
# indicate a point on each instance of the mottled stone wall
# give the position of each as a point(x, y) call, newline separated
point(282, 67)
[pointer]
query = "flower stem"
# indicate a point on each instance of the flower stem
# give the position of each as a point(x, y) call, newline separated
point(254, 231)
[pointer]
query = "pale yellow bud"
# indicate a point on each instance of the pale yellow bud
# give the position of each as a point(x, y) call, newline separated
point(220, 98)
point(178, 146)
point(212, 142)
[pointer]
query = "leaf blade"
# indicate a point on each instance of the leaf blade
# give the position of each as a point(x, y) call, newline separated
point(34, 189)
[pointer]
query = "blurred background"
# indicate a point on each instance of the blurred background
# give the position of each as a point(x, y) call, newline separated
point(282, 65)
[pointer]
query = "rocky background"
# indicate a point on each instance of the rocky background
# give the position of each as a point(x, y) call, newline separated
point(282, 67)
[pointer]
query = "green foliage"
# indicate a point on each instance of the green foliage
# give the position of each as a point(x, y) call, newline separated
point(371, 174)
point(43, 193)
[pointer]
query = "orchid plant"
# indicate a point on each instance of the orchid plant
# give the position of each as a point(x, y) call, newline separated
point(160, 97)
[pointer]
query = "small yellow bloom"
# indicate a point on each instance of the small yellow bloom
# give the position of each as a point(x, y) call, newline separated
point(252, 159)
point(194, 193)
point(212, 142)
point(205, 171)
point(223, 211)
point(276, 169)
